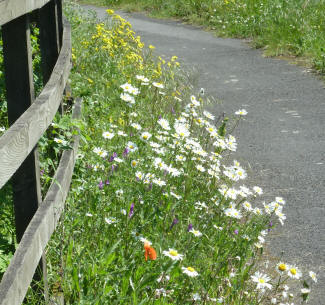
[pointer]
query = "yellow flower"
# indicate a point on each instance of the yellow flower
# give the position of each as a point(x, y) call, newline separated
point(110, 12)
point(151, 47)
point(90, 81)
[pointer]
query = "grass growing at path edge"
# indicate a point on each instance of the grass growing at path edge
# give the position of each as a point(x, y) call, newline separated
point(288, 28)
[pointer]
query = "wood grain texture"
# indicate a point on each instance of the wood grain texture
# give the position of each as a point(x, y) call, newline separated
point(11, 9)
point(19, 140)
point(18, 276)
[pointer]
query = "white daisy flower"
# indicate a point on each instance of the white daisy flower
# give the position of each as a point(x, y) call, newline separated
point(142, 78)
point(200, 168)
point(241, 112)
point(247, 206)
point(181, 130)
point(180, 158)
point(108, 135)
point(232, 212)
point(190, 271)
point(131, 146)
point(122, 133)
point(139, 175)
point(144, 240)
point(261, 280)
point(159, 182)
point(173, 254)
point(175, 195)
point(280, 200)
point(127, 98)
point(110, 220)
point(294, 272)
point(313, 276)
point(146, 136)
point(158, 85)
point(257, 211)
point(280, 215)
point(60, 141)
point(97, 167)
point(136, 126)
point(257, 190)
point(134, 163)
point(208, 115)
point(164, 124)
point(100, 152)
point(195, 232)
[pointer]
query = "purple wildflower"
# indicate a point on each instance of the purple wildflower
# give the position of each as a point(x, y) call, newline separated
point(236, 232)
point(125, 152)
point(173, 110)
point(101, 185)
point(175, 221)
point(190, 227)
point(107, 182)
point(131, 210)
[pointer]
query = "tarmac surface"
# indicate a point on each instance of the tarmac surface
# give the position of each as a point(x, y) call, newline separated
point(281, 142)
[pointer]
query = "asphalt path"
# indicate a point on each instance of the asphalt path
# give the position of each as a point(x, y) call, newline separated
point(282, 140)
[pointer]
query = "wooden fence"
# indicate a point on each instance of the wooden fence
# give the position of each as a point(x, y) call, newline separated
point(29, 117)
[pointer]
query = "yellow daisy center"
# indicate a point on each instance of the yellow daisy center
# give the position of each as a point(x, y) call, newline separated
point(173, 253)
point(282, 267)
point(293, 271)
point(262, 281)
point(190, 269)
point(145, 137)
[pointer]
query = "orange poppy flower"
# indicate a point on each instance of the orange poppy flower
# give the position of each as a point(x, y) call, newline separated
point(149, 251)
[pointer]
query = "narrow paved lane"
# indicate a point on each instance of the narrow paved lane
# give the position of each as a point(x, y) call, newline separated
point(282, 140)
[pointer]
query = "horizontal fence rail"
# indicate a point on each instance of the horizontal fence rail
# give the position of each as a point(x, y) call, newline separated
point(19, 140)
point(20, 272)
point(12, 9)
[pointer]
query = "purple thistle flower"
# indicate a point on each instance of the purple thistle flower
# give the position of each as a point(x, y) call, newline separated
point(175, 221)
point(131, 210)
point(190, 227)
point(101, 185)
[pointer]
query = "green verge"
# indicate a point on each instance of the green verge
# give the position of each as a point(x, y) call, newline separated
point(157, 213)
point(293, 29)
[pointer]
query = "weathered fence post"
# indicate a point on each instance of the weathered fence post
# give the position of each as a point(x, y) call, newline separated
point(20, 95)
point(49, 38)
